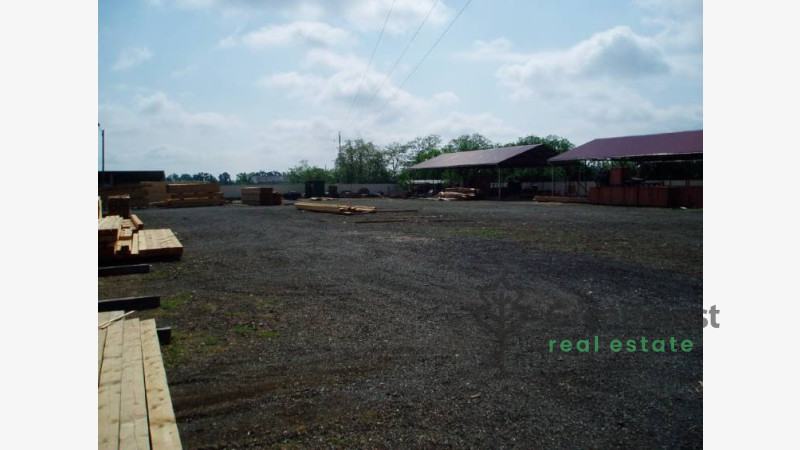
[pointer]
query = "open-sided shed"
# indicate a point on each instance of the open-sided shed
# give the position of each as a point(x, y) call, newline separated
point(683, 146)
point(678, 146)
point(521, 156)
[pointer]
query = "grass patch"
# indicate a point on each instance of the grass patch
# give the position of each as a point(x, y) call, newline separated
point(248, 330)
point(482, 233)
point(173, 302)
point(243, 329)
point(209, 341)
point(268, 334)
point(176, 352)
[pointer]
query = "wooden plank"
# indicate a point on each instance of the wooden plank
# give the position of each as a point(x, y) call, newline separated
point(122, 270)
point(163, 428)
point(130, 303)
point(101, 345)
point(137, 222)
point(159, 242)
point(334, 208)
point(133, 429)
point(105, 316)
point(102, 318)
point(109, 389)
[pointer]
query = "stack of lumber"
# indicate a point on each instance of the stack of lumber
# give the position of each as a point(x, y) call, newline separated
point(261, 196)
point(134, 408)
point(108, 231)
point(119, 205)
point(141, 194)
point(346, 210)
point(458, 194)
point(181, 195)
point(120, 238)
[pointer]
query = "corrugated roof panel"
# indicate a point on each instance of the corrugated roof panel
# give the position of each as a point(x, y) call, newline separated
point(650, 146)
point(483, 158)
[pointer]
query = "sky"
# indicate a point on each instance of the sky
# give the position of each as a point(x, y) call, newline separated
point(189, 86)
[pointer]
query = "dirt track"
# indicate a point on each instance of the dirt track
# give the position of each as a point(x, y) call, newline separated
point(295, 329)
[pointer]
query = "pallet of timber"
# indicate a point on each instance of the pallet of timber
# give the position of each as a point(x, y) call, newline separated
point(264, 196)
point(189, 202)
point(158, 243)
point(119, 205)
point(108, 228)
point(134, 408)
point(335, 209)
point(195, 195)
point(189, 188)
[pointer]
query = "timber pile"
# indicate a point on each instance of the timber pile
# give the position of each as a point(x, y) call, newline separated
point(141, 194)
point(134, 408)
point(346, 210)
point(119, 205)
point(264, 196)
point(181, 195)
point(119, 238)
point(458, 194)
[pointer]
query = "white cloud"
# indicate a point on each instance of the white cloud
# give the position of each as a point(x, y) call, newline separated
point(615, 53)
point(393, 114)
point(180, 73)
point(132, 57)
point(363, 15)
point(297, 33)
point(446, 98)
point(406, 15)
point(495, 50)
point(153, 131)
point(596, 86)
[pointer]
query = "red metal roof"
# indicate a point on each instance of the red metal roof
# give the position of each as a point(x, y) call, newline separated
point(651, 147)
point(519, 156)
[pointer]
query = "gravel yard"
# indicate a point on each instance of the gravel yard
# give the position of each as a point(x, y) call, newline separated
point(297, 329)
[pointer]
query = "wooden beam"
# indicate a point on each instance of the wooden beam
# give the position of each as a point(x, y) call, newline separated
point(163, 428)
point(164, 335)
point(129, 303)
point(133, 430)
point(122, 270)
point(109, 389)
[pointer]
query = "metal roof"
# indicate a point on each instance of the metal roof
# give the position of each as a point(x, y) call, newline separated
point(519, 156)
point(651, 147)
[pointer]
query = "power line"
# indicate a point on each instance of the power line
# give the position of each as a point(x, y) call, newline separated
point(364, 77)
point(391, 97)
point(396, 63)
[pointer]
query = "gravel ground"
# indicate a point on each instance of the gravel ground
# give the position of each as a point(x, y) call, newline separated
point(295, 329)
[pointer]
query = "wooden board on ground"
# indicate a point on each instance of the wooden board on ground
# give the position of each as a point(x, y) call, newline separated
point(158, 243)
point(335, 209)
point(161, 417)
point(134, 404)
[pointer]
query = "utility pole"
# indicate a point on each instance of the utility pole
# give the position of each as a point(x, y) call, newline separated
point(340, 142)
point(102, 154)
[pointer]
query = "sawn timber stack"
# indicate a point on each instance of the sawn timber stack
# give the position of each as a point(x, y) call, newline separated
point(126, 239)
point(346, 210)
point(181, 195)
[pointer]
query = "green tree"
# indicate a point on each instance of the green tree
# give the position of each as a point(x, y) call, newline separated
point(305, 172)
point(242, 178)
point(361, 162)
point(468, 142)
point(225, 178)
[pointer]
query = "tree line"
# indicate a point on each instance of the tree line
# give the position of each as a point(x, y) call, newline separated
point(361, 161)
